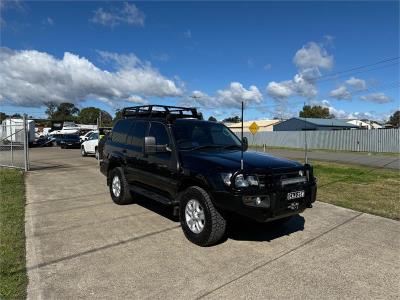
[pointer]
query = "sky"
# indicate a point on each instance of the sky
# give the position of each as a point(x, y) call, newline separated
point(274, 56)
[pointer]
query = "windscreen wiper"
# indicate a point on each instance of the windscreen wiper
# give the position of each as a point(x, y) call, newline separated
point(232, 146)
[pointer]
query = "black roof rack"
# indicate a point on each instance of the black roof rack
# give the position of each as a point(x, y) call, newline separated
point(160, 111)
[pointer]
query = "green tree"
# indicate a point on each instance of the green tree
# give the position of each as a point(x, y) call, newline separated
point(51, 108)
point(3, 116)
point(118, 116)
point(89, 115)
point(395, 119)
point(315, 111)
point(212, 119)
point(66, 112)
point(235, 119)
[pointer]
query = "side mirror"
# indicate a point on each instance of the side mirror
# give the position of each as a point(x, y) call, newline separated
point(150, 146)
point(245, 144)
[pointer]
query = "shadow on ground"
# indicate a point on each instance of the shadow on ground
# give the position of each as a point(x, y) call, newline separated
point(239, 228)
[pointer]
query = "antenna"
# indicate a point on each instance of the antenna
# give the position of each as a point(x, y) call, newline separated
point(305, 137)
point(241, 155)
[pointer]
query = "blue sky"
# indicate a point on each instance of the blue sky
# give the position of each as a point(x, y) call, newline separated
point(123, 53)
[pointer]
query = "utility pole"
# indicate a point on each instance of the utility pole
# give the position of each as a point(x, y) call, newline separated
point(305, 138)
point(241, 156)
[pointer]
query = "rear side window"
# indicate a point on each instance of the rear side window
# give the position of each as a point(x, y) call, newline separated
point(160, 133)
point(137, 134)
point(119, 131)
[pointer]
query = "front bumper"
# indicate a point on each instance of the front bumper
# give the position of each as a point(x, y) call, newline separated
point(279, 206)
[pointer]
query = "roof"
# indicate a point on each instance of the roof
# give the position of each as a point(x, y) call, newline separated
point(327, 122)
point(260, 123)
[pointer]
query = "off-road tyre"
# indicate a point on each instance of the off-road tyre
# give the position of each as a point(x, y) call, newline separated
point(215, 223)
point(124, 196)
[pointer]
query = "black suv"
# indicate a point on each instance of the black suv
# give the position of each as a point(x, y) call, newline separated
point(171, 155)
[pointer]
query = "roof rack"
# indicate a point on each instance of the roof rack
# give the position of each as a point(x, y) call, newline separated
point(161, 111)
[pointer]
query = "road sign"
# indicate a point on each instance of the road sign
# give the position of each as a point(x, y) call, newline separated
point(254, 128)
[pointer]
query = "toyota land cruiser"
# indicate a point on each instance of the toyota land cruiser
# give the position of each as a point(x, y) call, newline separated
point(171, 155)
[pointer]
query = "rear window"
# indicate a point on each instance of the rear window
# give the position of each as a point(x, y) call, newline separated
point(119, 131)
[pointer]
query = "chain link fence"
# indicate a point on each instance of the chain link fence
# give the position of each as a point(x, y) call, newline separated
point(14, 146)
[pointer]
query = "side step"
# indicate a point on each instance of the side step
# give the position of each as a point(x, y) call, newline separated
point(150, 194)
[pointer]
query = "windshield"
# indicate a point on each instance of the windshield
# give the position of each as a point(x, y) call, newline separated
point(191, 135)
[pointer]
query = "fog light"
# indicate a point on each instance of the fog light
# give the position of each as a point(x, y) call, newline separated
point(258, 200)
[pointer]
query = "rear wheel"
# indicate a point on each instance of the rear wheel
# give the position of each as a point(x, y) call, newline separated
point(201, 222)
point(83, 152)
point(119, 188)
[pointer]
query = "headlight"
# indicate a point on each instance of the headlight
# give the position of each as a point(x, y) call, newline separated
point(226, 178)
point(242, 182)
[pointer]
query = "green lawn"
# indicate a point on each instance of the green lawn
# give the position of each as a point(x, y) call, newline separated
point(13, 278)
point(366, 189)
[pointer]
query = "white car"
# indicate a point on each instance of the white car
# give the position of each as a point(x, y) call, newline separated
point(87, 135)
point(90, 146)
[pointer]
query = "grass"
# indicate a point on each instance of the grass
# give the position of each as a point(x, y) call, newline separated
point(370, 190)
point(13, 280)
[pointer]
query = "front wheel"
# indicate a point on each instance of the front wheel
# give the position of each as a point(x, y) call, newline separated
point(201, 222)
point(96, 154)
point(119, 188)
point(83, 152)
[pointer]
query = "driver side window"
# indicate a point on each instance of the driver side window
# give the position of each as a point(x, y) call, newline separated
point(159, 131)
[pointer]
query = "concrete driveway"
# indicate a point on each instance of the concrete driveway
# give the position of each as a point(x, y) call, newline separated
point(81, 245)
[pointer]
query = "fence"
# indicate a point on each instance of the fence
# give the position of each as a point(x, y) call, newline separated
point(378, 140)
point(14, 146)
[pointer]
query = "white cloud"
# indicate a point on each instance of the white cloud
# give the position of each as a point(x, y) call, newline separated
point(30, 78)
point(341, 114)
point(356, 83)
point(48, 21)
point(310, 59)
point(299, 85)
point(188, 34)
point(230, 97)
point(267, 67)
point(376, 98)
point(280, 90)
point(340, 93)
point(128, 14)
point(313, 55)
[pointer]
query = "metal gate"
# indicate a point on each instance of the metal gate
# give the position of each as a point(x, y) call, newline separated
point(14, 145)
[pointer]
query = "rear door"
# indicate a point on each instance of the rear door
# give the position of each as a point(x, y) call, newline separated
point(136, 163)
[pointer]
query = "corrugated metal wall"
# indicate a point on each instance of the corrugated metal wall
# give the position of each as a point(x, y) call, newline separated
point(382, 140)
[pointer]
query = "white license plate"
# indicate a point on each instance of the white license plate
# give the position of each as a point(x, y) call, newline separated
point(295, 195)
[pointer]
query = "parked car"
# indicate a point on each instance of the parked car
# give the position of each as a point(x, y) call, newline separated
point(55, 138)
point(70, 141)
point(87, 135)
point(91, 146)
point(171, 155)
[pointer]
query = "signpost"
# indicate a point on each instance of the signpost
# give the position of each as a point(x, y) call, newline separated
point(254, 128)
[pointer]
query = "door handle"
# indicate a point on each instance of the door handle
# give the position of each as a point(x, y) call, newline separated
point(124, 151)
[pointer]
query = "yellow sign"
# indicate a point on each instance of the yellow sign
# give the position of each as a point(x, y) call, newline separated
point(254, 128)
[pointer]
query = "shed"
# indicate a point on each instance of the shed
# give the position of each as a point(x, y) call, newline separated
point(300, 124)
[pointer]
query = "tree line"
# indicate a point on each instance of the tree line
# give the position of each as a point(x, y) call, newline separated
point(89, 115)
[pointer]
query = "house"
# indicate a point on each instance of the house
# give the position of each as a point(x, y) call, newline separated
point(299, 124)
point(264, 125)
point(364, 124)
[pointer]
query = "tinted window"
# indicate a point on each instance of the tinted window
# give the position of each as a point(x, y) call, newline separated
point(137, 134)
point(159, 131)
point(194, 134)
point(119, 131)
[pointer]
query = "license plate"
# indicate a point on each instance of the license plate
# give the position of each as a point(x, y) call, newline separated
point(69, 144)
point(295, 195)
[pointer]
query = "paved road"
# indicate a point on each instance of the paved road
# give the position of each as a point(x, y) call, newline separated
point(371, 160)
point(80, 245)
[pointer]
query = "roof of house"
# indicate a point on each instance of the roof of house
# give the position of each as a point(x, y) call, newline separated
point(260, 123)
point(327, 122)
